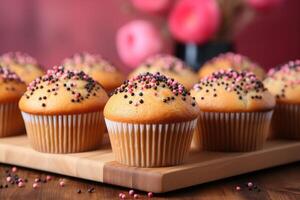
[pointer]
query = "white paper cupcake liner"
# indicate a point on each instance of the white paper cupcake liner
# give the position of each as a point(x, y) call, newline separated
point(221, 131)
point(286, 121)
point(11, 122)
point(65, 133)
point(150, 145)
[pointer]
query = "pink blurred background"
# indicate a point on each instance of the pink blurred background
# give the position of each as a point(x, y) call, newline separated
point(53, 30)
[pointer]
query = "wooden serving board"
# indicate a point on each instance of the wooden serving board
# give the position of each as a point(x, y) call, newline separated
point(100, 166)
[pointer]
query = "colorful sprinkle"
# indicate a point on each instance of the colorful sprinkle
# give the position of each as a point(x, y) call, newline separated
point(247, 81)
point(89, 60)
point(147, 81)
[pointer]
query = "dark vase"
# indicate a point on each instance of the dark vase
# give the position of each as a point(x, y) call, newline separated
point(196, 55)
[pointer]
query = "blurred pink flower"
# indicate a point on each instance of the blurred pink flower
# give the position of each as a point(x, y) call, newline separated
point(264, 5)
point(194, 21)
point(138, 40)
point(153, 6)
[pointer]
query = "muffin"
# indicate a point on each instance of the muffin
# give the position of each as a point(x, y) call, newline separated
point(169, 66)
point(236, 111)
point(63, 112)
point(22, 64)
point(284, 83)
point(98, 68)
point(233, 61)
point(11, 90)
point(150, 121)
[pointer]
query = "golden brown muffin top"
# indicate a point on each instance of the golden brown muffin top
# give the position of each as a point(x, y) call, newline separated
point(232, 91)
point(97, 67)
point(284, 82)
point(11, 86)
point(233, 61)
point(22, 64)
point(169, 66)
point(62, 91)
point(151, 98)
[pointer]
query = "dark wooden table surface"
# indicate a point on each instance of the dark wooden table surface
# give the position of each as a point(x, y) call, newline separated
point(276, 183)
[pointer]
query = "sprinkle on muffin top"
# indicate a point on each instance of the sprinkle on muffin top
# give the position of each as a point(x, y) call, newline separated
point(231, 61)
point(231, 80)
point(7, 75)
point(17, 58)
point(170, 66)
point(286, 69)
point(232, 91)
point(11, 86)
point(237, 60)
point(89, 60)
point(284, 81)
point(58, 78)
point(165, 62)
point(147, 81)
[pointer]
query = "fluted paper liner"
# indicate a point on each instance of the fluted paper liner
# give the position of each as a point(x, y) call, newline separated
point(230, 132)
point(65, 133)
point(286, 121)
point(150, 145)
point(11, 122)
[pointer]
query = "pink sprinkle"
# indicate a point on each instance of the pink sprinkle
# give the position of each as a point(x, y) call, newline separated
point(8, 179)
point(37, 180)
point(20, 180)
point(120, 195)
point(238, 188)
point(136, 196)
point(123, 196)
point(61, 183)
point(229, 89)
point(150, 194)
point(249, 184)
point(131, 192)
point(48, 178)
point(21, 184)
point(14, 169)
point(35, 185)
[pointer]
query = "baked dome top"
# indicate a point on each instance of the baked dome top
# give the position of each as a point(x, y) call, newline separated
point(232, 91)
point(170, 66)
point(231, 61)
point(62, 91)
point(284, 82)
point(22, 64)
point(97, 67)
point(11, 86)
point(151, 98)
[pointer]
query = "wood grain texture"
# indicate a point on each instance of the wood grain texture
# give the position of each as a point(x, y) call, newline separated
point(279, 183)
point(201, 167)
